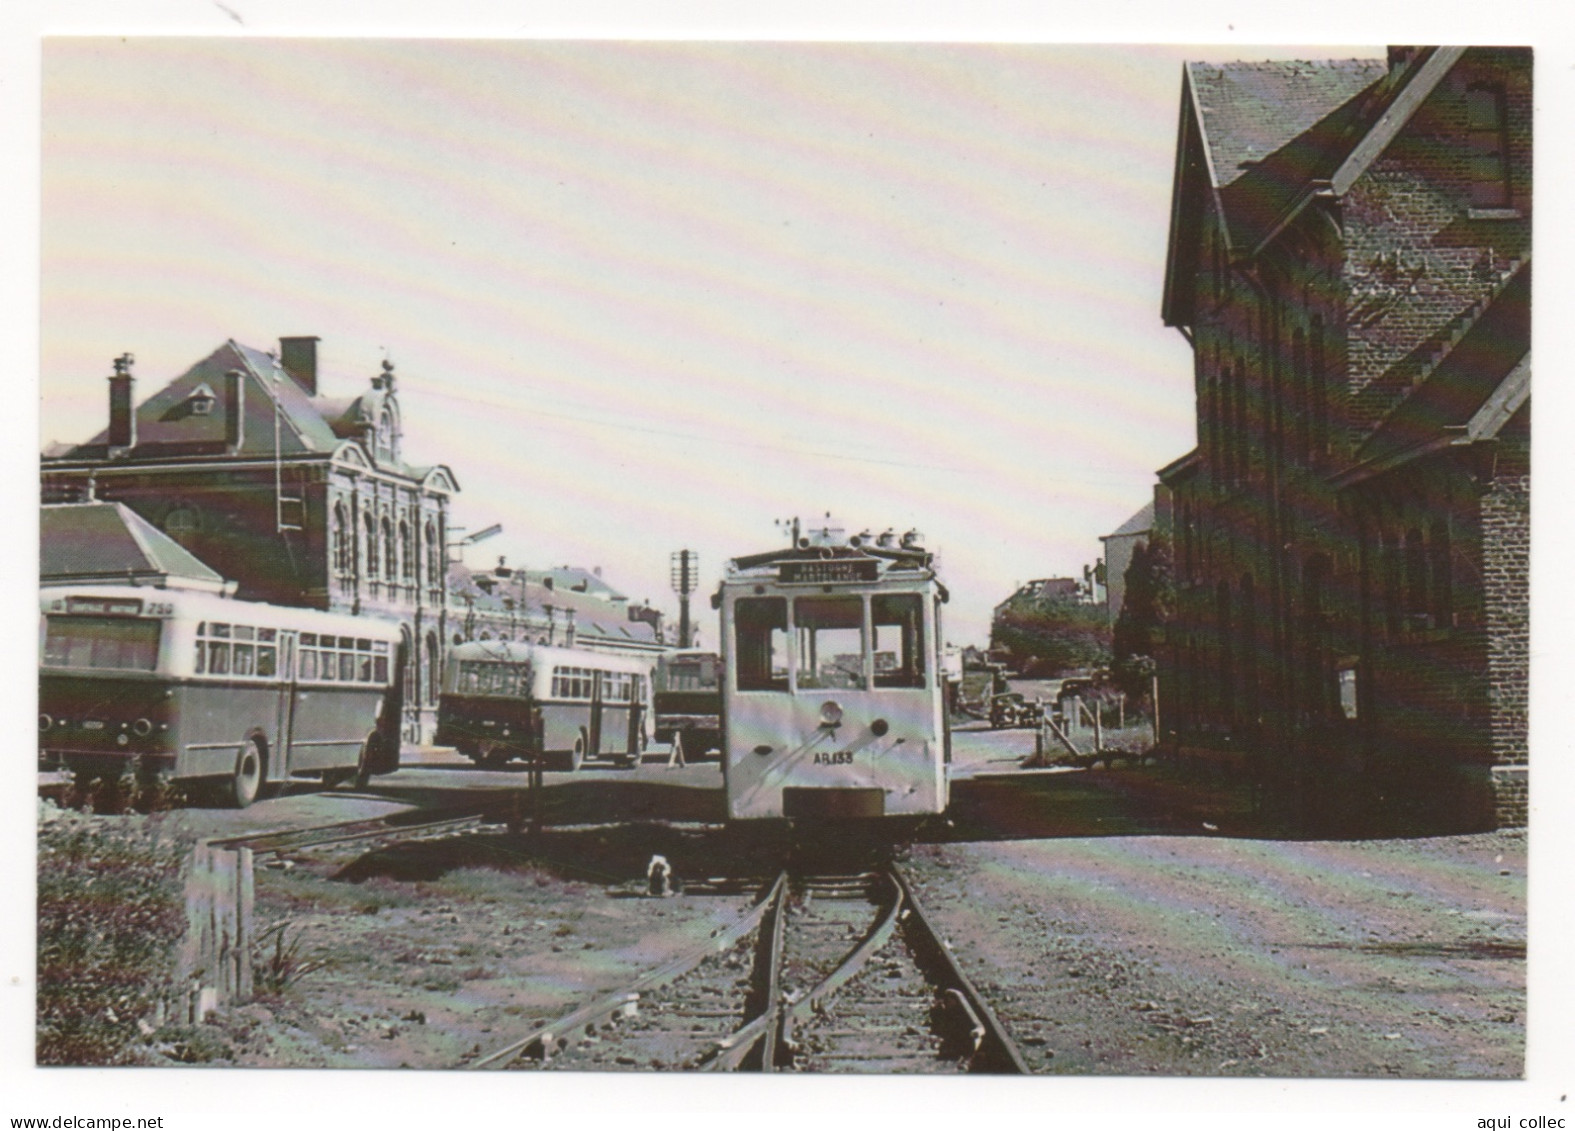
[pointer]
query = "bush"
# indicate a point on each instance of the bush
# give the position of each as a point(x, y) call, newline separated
point(1049, 636)
point(110, 911)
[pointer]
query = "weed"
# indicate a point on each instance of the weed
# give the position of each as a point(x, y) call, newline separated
point(283, 966)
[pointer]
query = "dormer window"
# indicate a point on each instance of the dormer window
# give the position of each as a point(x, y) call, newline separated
point(201, 401)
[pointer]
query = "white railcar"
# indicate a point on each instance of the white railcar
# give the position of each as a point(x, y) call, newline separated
point(833, 697)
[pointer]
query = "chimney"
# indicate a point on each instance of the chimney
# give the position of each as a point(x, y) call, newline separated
point(568, 632)
point(234, 410)
point(299, 358)
point(1401, 57)
point(122, 407)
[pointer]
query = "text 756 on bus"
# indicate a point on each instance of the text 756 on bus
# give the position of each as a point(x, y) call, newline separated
point(198, 686)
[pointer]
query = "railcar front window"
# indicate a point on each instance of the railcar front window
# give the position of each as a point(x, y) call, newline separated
point(830, 632)
point(898, 623)
point(101, 642)
point(760, 630)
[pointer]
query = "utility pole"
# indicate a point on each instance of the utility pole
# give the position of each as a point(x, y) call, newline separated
point(685, 574)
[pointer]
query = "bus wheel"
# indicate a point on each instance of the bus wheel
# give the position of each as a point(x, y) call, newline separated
point(246, 782)
point(582, 742)
point(363, 764)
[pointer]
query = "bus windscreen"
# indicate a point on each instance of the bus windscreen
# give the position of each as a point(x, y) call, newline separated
point(101, 642)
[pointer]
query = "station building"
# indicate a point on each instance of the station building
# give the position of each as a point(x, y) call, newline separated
point(1350, 260)
point(298, 497)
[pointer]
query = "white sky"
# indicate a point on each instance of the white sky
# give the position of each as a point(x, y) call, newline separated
point(648, 297)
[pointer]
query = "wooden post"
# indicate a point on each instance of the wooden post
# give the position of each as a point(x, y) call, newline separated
point(224, 917)
point(246, 898)
point(1155, 692)
point(1121, 711)
point(1099, 734)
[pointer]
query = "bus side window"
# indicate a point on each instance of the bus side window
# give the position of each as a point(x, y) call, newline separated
point(363, 667)
point(245, 653)
point(379, 662)
point(347, 659)
point(308, 654)
point(267, 652)
point(219, 649)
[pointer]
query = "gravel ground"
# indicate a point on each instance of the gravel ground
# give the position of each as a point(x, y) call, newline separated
point(1191, 956)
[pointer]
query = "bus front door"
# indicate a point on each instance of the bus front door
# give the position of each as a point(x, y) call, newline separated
point(284, 725)
point(595, 748)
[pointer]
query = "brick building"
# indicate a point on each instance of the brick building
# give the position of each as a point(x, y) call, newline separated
point(297, 497)
point(1350, 260)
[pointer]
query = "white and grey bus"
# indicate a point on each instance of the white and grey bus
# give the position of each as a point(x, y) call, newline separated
point(504, 700)
point(196, 686)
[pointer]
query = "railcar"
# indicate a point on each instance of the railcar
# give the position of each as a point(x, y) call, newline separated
point(833, 690)
point(503, 700)
point(198, 686)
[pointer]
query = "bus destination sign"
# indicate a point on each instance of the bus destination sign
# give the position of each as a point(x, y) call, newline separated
point(104, 606)
point(812, 573)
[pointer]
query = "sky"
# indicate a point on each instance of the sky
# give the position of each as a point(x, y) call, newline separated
point(650, 296)
point(646, 296)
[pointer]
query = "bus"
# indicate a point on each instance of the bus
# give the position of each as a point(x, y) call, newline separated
point(688, 700)
point(833, 688)
point(503, 700)
point(200, 687)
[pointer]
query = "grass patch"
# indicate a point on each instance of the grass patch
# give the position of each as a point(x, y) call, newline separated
point(110, 910)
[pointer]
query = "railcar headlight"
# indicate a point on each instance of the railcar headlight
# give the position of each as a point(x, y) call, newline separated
point(45, 722)
point(122, 739)
point(142, 728)
point(879, 728)
point(830, 714)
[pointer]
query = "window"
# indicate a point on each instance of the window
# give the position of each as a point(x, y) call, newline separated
point(245, 651)
point(1319, 389)
point(572, 683)
point(1443, 577)
point(218, 649)
point(1487, 147)
point(760, 633)
point(308, 655)
point(390, 560)
point(380, 662)
point(434, 555)
point(340, 551)
point(897, 621)
point(1302, 410)
point(1393, 569)
point(1415, 574)
point(371, 546)
point(1347, 682)
point(268, 652)
point(407, 553)
point(830, 635)
point(101, 642)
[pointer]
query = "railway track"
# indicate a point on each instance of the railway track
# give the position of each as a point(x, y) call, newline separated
point(839, 973)
point(383, 830)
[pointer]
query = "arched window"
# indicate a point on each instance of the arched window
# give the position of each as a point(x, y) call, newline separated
point(1319, 389)
point(371, 546)
point(1415, 573)
point(390, 557)
point(429, 690)
point(407, 554)
point(434, 555)
point(385, 434)
point(1443, 577)
point(340, 541)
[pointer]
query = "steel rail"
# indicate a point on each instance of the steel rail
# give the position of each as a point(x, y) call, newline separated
point(290, 839)
point(878, 936)
point(558, 1033)
point(995, 1050)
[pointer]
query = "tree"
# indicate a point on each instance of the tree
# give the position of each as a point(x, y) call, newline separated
point(1051, 635)
point(1147, 606)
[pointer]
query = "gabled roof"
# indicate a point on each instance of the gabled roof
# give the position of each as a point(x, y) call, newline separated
point(1268, 138)
point(1140, 523)
point(578, 580)
point(1468, 394)
point(86, 543)
point(168, 426)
